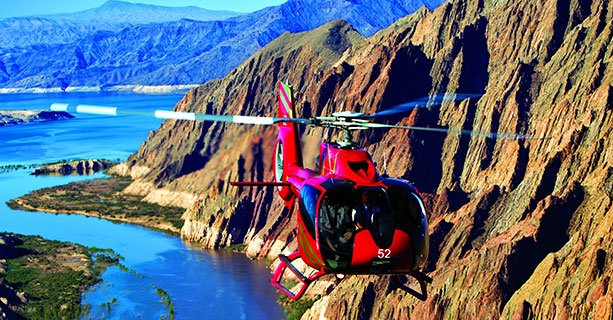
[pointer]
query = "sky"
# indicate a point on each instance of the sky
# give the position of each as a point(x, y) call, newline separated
point(12, 8)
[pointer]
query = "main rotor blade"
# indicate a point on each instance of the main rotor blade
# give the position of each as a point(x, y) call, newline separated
point(492, 135)
point(425, 102)
point(175, 115)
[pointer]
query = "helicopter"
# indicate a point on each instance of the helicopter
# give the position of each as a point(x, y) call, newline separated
point(351, 219)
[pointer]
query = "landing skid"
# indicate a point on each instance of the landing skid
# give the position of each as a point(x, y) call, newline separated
point(286, 263)
point(423, 280)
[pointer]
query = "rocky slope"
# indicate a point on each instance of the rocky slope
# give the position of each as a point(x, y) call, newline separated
point(178, 52)
point(519, 229)
point(12, 117)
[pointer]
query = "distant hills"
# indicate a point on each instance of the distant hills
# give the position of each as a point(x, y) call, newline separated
point(111, 16)
point(119, 12)
point(121, 43)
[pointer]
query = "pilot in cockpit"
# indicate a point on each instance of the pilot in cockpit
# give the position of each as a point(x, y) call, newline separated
point(365, 212)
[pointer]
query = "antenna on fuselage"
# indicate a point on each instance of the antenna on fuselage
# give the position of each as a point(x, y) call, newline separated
point(384, 166)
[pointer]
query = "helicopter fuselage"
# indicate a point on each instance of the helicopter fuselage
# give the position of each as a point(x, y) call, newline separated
point(350, 219)
point(345, 174)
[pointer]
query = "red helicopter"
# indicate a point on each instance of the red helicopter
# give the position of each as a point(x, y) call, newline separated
point(351, 219)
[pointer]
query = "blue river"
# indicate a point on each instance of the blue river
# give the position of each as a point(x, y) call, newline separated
point(201, 284)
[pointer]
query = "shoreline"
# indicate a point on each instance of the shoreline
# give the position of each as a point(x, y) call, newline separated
point(20, 117)
point(101, 198)
point(161, 227)
point(141, 89)
point(40, 275)
point(142, 221)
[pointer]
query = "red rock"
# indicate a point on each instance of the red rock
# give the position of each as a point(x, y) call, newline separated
point(516, 220)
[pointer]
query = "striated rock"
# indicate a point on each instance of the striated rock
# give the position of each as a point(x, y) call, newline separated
point(519, 228)
point(220, 217)
point(12, 117)
point(79, 167)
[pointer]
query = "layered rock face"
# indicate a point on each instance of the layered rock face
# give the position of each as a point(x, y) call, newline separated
point(518, 228)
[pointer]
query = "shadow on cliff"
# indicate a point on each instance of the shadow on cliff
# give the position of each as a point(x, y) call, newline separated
point(473, 79)
point(11, 251)
point(551, 236)
point(427, 148)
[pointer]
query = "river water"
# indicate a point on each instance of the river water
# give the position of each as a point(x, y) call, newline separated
point(201, 284)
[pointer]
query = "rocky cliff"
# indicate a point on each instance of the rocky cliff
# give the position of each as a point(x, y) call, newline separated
point(518, 228)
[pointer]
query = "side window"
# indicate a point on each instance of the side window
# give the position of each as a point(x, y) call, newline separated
point(336, 208)
point(410, 215)
point(308, 206)
point(406, 207)
point(336, 228)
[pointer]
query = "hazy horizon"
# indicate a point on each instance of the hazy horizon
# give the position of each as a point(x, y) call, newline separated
point(45, 7)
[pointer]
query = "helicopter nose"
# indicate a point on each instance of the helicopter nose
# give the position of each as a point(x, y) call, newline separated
point(398, 257)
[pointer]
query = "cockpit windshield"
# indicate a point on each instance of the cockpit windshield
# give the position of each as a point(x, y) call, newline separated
point(345, 210)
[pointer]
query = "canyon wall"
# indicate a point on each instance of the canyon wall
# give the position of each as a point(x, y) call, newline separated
point(518, 228)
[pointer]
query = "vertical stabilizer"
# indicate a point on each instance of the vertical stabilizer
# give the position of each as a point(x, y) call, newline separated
point(288, 152)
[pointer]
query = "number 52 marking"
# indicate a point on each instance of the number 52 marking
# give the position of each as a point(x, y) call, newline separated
point(384, 253)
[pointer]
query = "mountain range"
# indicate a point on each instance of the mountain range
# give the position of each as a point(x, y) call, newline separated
point(121, 12)
point(185, 51)
point(111, 16)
